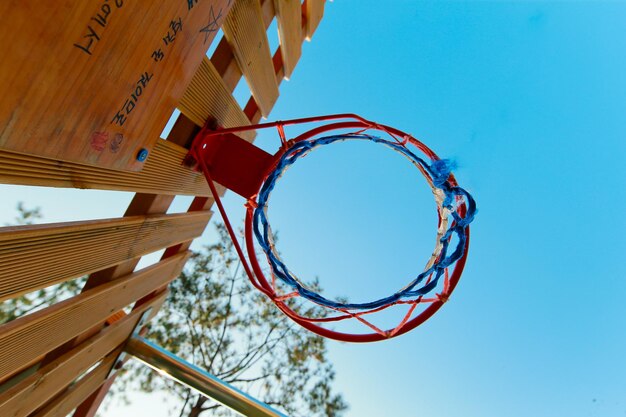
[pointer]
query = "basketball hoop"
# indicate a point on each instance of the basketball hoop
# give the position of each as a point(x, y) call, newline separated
point(222, 156)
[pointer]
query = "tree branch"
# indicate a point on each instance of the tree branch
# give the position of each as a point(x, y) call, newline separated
point(182, 410)
point(225, 324)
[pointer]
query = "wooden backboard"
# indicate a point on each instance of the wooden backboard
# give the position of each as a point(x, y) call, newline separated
point(95, 81)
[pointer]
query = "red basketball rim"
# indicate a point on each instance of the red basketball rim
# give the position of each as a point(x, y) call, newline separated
point(267, 288)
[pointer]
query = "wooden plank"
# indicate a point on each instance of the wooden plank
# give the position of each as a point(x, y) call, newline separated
point(207, 96)
point(223, 59)
point(289, 18)
point(314, 13)
point(95, 82)
point(198, 204)
point(91, 404)
point(245, 32)
point(252, 110)
point(163, 173)
point(141, 204)
point(25, 339)
point(33, 257)
point(35, 390)
point(68, 397)
point(182, 132)
point(78, 391)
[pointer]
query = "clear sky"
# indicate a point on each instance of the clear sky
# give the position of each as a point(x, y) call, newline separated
point(529, 99)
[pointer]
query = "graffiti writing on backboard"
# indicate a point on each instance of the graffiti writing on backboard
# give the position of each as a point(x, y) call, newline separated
point(175, 27)
point(94, 31)
point(213, 24)
point(130, 103)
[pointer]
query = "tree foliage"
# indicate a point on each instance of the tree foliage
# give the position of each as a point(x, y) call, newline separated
point(215, 319)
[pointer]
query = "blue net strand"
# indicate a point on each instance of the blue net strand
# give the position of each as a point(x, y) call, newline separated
point(438, 170)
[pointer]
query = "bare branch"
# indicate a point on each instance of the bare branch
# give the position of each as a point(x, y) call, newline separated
point(187, 397)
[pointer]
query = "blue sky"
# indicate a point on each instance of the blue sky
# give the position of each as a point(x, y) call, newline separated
point(529, 99)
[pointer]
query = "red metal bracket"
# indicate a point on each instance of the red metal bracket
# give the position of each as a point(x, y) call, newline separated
point(223, 153)
point(232, 162)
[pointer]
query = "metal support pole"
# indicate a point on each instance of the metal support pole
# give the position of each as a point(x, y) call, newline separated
point(206, 384)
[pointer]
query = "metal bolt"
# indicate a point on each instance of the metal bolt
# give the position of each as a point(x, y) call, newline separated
point(142, 155)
